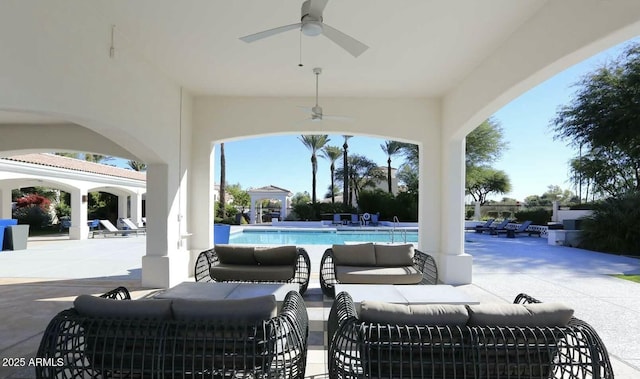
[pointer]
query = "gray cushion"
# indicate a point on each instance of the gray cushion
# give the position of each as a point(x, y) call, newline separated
point(377, 275)
point(235, 255)
point(413, 314)
point(156, 309)
point(276, 256)
point(354, 255)
point(394, 255)
point(225, 272)
point(541, 315)
point(250, 309)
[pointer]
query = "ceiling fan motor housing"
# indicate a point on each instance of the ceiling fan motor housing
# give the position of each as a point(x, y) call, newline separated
point(311, 24)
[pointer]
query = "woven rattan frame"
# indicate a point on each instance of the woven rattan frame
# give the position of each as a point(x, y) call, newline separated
point(209, 258)
point(88, 347)
point(422, 262)
point(120, 293)
point(365, 350)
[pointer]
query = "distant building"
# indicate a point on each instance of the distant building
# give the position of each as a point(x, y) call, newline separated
point(228, 198)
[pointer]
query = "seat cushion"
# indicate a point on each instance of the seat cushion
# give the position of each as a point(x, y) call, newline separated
point(377, 275)
point(413, 314)
point(354, 255)
point(540, 315)
point(249, 309)
point(236, 255)
point(394, 255)
point(226, 272)
point(276, 256)
point(152, 309)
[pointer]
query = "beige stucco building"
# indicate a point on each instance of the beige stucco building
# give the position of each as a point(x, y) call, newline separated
point(163, 81)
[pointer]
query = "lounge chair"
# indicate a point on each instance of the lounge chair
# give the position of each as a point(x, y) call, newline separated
point(337, 220)
point(494, 229)
point(131, 225)
point(355, 220)
point(375, 219)
point(110, 229)
point(487, 224)
point(512, 232)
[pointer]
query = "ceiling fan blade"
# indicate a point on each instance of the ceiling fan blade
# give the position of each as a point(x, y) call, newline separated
point(338, 118)
point(352, 45)
point(268, 33)
point(316, 7)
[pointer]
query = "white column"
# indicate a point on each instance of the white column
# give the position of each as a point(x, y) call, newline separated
point(283, 207)
point(79, 229)
point(123, 209)
point(477, 214)
point(166, 261)
point(136, 208)
point(201, 200)
point(455, 266)
point(252, 218)
point(5, 202)
point(554, 216)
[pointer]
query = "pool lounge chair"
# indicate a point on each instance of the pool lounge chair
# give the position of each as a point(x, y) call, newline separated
point(131, 225)
point(110, 229)
point(494, 229)
point(375, 219)
point(355, 220)
point(337, 220)
point(512, 232)
point(487, 224)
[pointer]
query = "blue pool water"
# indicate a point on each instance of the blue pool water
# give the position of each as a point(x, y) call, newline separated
point(318, 237)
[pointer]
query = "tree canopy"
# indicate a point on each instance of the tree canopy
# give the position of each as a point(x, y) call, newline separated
point(602, 122)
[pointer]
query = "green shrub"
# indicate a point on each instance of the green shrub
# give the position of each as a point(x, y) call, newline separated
point(613, 226)
point(538, 216)
point(404, 205)
point(34, 216)
point(314, 212)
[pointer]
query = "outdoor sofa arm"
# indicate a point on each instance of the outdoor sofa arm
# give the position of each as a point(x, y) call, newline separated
point(327, 273)
point(303, 270)
point(425, 263)
point(120, 293)
point(205, 261)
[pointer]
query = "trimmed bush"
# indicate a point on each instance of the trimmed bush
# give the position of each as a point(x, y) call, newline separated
point(539, 216)
point(613, 226)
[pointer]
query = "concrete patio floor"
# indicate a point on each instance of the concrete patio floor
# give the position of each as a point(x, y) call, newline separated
point(38, 282)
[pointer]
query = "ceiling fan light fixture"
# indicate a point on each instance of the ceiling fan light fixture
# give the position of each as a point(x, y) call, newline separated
point(312, 28)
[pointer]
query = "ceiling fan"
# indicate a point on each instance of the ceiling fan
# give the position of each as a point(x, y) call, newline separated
point(316, 111)
point(311, 24)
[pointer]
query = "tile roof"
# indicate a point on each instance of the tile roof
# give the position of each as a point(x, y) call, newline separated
point(52, 160)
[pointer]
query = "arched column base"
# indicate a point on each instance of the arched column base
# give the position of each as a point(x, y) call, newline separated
point(455, 269)
point(79, 232)
point(164, 271)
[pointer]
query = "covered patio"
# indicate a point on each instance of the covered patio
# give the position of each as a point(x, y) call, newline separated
point(162, 82)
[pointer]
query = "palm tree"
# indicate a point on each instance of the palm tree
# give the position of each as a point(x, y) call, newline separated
point(332, 153)
point(223, 178)
point(363, 173)
point(390, 148)
point(314, 143)
point(137, 165)
point(346, 194)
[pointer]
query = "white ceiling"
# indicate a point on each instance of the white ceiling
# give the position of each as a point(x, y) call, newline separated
point(417, 47)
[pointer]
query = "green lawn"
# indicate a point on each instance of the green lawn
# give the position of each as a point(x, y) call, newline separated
point(633, 278)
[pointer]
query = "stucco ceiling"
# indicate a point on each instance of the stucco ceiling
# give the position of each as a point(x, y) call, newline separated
point(417, 47)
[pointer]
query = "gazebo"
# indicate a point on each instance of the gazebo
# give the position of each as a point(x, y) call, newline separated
point(269, 192)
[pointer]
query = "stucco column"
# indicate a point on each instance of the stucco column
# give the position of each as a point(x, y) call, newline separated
point(123, 209)
point(253, 214)
point(79, 229)
point(455, 266)
point(166, 261)
point(136, 208)
point(477, 214)
point(5, 202)
point(200, 201)
point(283, 208)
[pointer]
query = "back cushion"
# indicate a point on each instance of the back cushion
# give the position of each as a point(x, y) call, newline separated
point(92, 306)
point(276, 256)
point(414, 314)
point(394, 255)
point(355, 255)
point(235, 255)
point(540, 315)
point(250, 309)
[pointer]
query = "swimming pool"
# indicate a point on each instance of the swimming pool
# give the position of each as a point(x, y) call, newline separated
point(320, 237)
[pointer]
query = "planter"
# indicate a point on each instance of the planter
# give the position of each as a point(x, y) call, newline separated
point(221, 234)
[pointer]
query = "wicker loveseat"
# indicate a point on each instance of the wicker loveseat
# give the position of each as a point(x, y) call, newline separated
point(180, 338)
point(370, 263)
point(527, 340)
point(237, 263)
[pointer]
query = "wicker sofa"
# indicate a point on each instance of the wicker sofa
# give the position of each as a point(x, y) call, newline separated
point(526, 339)
point(154, 338)
point(229, 263)
point(370, 263)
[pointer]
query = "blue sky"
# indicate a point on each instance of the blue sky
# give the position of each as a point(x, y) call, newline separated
point(533, 159)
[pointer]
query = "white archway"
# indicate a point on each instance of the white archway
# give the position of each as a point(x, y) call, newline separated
point(269, 192)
